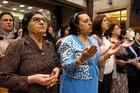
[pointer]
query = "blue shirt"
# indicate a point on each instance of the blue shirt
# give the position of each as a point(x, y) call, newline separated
point(76, 79)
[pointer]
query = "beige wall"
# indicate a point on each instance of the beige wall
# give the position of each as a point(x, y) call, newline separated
point(102, 5)
point(79, 2)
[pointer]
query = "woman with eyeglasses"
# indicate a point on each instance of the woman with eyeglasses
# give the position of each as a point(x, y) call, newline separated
point(119, 84)
point(79, 57)
point(30, 65)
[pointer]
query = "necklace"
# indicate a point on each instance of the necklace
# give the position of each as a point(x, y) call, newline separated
point(84, 41)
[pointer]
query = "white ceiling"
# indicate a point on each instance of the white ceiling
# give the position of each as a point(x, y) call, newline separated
point(12, 5)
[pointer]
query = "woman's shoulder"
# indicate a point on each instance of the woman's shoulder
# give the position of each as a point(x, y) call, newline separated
point(15, 46)
point(94, 36)
point(16, 42)
point(94, 40)
point(68, 39)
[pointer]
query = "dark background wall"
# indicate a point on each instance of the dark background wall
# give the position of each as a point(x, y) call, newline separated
point(135, 15)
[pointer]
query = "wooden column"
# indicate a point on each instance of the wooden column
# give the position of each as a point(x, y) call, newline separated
point(90, 8)
point(134, 16)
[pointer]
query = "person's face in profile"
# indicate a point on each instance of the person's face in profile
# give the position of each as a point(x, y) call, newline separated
point(116, 30)
point(67, 31)
point(85, 24)
point(137, 37)
point(51, 30)
point(105, 24)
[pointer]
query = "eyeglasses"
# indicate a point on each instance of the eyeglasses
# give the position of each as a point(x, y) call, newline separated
point(37, 19)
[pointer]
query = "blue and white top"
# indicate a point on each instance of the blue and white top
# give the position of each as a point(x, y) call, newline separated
point(70, 49)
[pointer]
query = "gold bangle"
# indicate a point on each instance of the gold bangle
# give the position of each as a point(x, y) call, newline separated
point(78, 62)
point(106, 55)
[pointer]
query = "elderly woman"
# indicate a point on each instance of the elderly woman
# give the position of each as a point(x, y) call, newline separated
point(30, 65)
point(79, 56)
point(119, 84)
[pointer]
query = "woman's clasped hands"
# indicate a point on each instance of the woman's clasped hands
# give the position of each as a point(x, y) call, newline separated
point(48, 80)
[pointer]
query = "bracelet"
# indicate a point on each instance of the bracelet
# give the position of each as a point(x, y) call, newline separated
point(78, 62)
point(106, 55)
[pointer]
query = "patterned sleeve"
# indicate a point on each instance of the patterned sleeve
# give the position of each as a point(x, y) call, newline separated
point(9, 76)
point(67, 58)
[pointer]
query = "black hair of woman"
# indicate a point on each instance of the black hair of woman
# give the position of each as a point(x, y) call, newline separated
point(97, 29)
point(26, 19)
point(74, 21)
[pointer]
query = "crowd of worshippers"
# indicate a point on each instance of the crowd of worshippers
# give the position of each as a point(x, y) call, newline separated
point(83, 56)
